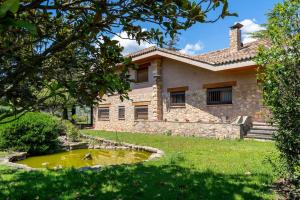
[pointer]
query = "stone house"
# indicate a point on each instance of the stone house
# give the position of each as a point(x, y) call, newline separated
point(213, 94)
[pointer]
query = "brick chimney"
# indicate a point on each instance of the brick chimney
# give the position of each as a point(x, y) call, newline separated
point(235, 37)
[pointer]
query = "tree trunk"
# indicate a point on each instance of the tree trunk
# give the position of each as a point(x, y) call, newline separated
point(73, 113)
point(65, 113)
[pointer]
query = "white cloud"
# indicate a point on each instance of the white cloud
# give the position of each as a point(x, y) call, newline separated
point(249, 27)
point(130, 45)
point(192, 49)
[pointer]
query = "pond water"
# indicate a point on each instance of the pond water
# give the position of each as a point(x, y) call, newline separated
point(74, 158)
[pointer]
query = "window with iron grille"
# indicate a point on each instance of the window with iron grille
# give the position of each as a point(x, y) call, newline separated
point(142, 73)
point(141, 112)
point(103, 114)
point(177, 98)
point(217, 96)
point(121, 113)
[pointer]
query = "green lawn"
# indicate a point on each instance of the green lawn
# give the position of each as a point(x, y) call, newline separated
point(193, 168)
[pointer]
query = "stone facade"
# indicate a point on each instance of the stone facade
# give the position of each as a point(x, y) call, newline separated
point(196, 117)
point(157, 90)
point(246, 97)
point(196, 129)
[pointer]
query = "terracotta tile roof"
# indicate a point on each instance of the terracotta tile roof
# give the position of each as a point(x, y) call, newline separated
point(142, 52)
point(219, 57)
point(224, 56)
point(155, 48)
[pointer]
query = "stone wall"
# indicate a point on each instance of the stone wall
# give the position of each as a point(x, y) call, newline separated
point(114, 102)
point(197, 129)
point(246, 101)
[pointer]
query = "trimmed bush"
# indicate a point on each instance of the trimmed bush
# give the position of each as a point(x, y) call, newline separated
point(70, 130)
point(35, 133)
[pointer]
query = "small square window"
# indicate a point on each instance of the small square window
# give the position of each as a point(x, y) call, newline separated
point(142, 73)
point(121, 114)
point(141, 112)
point(103, 114)
point(177, 98)
point(216, 96)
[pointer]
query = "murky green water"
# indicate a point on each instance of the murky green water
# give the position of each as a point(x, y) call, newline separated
point(74, 158)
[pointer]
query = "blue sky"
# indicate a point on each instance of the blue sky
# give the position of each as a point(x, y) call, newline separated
point(201, 38)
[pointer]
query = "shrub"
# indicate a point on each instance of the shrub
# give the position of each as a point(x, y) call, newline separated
point(71, 131)
point(35, 133)
point(279, 74)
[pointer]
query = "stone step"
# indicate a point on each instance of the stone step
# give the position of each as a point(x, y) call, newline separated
point(260, 123)
point(273, 128)
point(263, 124)
point(257, 139)
point(261, 131)
point(259, 136)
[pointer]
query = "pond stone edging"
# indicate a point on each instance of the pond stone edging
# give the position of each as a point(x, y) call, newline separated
point(15, 156)
point(94, 143)
point(110, 144)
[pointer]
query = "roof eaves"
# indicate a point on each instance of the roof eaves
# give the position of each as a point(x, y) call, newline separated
point(213, 58)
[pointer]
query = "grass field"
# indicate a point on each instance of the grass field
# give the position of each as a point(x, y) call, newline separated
point(192, 168)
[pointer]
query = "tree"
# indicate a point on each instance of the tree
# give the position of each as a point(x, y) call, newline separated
point(171, 44)
point(280, 75)
point(66, 46)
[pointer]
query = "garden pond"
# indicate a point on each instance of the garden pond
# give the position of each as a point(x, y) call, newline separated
point(85, 158)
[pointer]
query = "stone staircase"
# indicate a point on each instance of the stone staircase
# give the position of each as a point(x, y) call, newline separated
point(261, 131)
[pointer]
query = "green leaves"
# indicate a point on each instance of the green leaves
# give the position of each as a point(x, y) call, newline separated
point(279, 73)
point(26, 25)
point(70, 43)
point(35, 133)
point(9, 5)
point(7, 11)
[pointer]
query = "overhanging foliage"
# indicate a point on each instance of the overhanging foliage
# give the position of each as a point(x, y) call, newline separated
point(63, 48)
